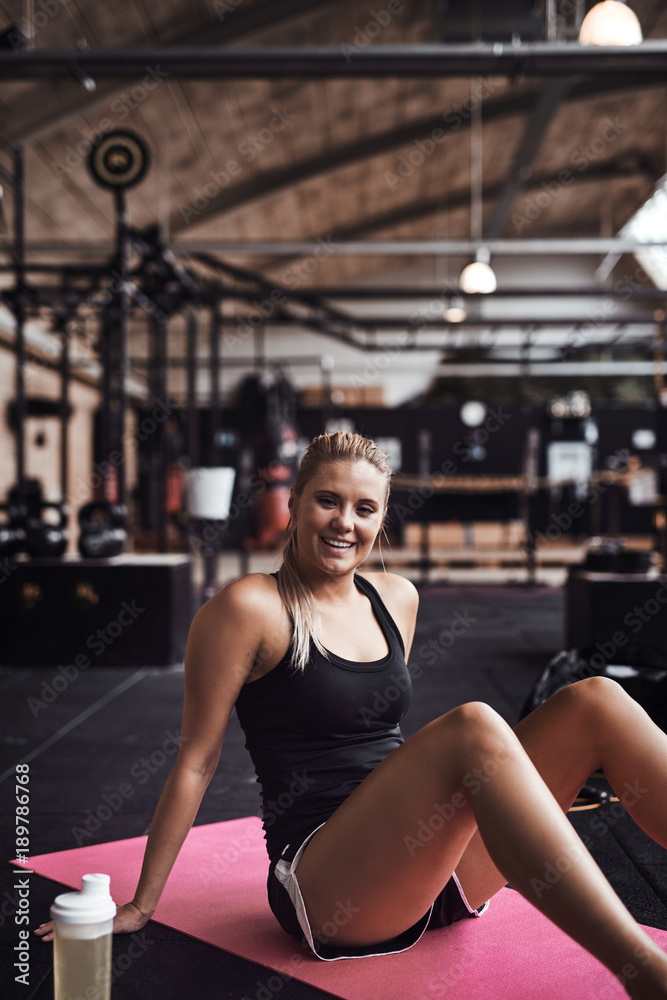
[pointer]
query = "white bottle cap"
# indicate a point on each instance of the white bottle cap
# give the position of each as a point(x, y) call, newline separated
point(90, 906)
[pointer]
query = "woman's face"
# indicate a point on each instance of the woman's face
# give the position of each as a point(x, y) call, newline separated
point(338, 516)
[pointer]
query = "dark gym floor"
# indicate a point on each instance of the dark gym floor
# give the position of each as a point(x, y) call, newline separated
point(93, 736)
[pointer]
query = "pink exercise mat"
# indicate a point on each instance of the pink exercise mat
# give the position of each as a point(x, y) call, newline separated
point(216, 893)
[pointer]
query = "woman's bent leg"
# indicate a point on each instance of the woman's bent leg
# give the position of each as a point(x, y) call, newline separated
point(388, 850)
point(589, 725)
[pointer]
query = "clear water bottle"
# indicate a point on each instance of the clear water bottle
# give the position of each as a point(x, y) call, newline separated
point(83, 923)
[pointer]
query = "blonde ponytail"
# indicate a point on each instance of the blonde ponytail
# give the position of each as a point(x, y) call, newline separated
point(293, 589)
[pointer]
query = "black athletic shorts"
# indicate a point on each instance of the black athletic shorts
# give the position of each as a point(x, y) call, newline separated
point(287, 905)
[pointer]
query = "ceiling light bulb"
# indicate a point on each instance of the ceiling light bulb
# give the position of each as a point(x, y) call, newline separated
point(455, 311)
point(610, 23)
point(478, 277)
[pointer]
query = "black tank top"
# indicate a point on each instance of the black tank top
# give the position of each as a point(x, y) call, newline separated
point(313, 736)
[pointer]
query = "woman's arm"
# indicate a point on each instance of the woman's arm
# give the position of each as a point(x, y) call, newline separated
point(224, 639)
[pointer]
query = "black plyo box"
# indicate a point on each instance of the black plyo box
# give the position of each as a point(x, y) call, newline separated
point(130, 611)
point(615, 610)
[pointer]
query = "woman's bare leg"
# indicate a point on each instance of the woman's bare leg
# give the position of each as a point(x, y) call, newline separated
point(589, 725)
point(376, 866)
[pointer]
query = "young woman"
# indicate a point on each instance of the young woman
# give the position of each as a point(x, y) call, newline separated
point(372, 839)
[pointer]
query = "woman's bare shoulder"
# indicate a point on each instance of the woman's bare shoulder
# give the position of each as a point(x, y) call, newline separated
point(401, 600)
point(250, 588)
point(251, 599)
point(394, 590)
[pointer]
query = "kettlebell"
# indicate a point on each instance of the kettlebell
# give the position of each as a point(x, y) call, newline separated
point(44, 539)
point(12, 531)
point(103, 532)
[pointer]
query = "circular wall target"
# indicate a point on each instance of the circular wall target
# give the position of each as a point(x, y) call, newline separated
point(118, 160)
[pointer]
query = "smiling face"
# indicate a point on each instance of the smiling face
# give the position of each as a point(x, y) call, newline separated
point(338, 515)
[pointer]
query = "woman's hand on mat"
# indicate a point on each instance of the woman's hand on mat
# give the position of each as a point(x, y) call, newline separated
point(129, 918)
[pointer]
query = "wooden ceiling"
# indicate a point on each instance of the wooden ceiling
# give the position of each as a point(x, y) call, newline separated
point(300, 159)
point(328, 159)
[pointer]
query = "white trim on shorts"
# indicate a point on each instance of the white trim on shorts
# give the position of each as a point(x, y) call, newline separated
point(473, 913)
point(285, 872)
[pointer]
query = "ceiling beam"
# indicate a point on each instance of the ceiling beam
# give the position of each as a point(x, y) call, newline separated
point(515, 61)
point(562, 369)
point(536, 127)
point(561, 246)
point(542, 291)
point(430, 324)
point(568, 247)
point(507, 369)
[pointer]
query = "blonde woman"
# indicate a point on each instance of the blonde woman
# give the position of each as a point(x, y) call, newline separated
point(373, 839)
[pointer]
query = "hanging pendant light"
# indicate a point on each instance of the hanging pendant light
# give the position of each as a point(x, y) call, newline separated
point(610, 23)
point(455, 311)
point(479, 277)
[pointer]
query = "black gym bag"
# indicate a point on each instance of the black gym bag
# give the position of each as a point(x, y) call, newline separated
point(640, 670)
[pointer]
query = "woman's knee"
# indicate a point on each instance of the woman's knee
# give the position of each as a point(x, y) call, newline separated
point(476, 714)
point(600, 688)
point(594, 693)
point(478, 727)
point(595, 706)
